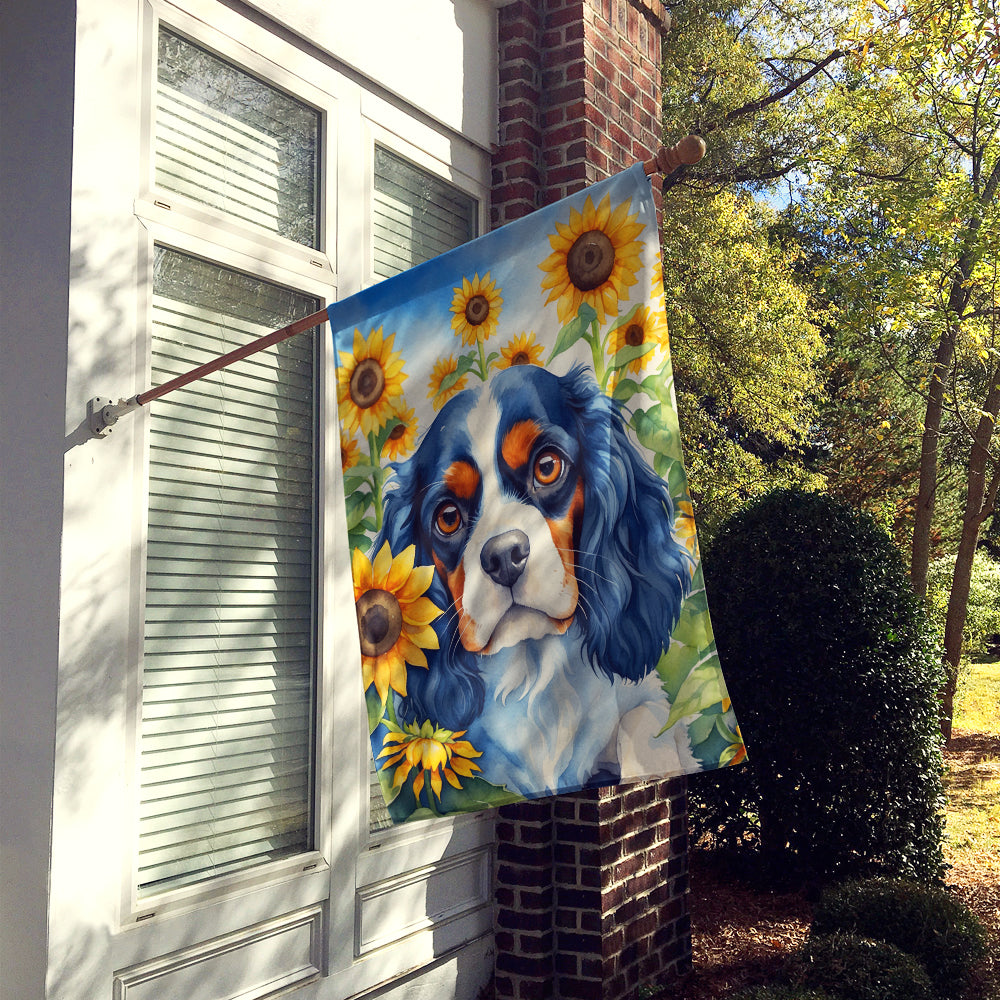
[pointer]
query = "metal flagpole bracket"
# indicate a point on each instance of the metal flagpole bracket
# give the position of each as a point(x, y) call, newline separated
point(103, 413)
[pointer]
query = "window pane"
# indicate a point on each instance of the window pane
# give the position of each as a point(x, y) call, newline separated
point(226, 139)
point(228, 679)
point(417, 215)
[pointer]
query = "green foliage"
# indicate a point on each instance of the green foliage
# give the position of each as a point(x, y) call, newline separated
point(926, 922)
point(983, 611)
point(858, 968)
point(781, 992)
point(833, 670)
point(747, 357)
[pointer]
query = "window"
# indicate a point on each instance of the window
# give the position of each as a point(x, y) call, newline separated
point(229, 646)
point(416, 216)
point(228, 140)
point(227, 701)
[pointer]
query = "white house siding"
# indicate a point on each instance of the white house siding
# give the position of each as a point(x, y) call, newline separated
point(406, 915)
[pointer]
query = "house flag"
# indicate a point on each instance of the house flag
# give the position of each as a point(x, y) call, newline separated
point(530, 603)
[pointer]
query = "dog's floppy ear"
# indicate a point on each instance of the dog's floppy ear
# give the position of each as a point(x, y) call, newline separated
point(449, 692)
point(634, 575)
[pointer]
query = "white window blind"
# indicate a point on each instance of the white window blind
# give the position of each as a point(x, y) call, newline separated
point(228, 658)
point(416, 217)
point(228, 140)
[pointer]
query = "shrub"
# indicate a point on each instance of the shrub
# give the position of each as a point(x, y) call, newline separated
point(982, 619)
point(833, 671)
point(857, 968)
point(781, 993)
point(926, 922)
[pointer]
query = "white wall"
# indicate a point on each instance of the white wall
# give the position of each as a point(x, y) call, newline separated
point(387, 40)
point(36, 108)
point(72, 292)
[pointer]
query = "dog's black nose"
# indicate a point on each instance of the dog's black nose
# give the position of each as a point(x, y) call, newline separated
point(504, 557)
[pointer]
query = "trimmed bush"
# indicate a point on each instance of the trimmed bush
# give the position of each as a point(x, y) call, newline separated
point(857, 968)
point(781, 993)
point(925, 922)
point(833, 671)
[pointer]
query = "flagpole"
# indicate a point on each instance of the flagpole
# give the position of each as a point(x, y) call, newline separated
point(103, 413)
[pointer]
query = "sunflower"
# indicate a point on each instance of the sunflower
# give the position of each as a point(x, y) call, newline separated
point(520, 350)
point(594, 260)
point(442, 369)
point(431, 751)
point(476, 306)
point(684, 529)
point(394, 619)
point(350, 452)
point(369, 382)
point(647, 326)
point(403, 437)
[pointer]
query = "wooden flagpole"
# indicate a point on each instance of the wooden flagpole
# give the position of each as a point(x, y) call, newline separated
point(102, 413)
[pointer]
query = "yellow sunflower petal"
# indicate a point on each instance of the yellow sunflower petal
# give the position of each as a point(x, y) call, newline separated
point(419, 580)
point(418, 785)
point(422, 611)
point(400, 569)
point(436, 783)
point(452, 780)
point(410, 651)
point(465, 748)
point(381, 566)
point(401, 773)
point(422, 635)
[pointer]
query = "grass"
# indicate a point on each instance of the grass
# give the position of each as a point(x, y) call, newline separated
point(973, 783)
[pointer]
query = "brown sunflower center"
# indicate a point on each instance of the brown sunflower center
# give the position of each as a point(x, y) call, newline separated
point(634, 335)
point(521, 358)
point(397, 432)
point(477, 309)
point(380, 621)
point(367, 383)
point(590, 260)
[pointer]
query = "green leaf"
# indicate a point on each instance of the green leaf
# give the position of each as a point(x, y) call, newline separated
point(574, 329)
point(628, 354)
point(703, 688)
point(625, 390)
point(652, 431)
point(658, 387)
point(376, 710)
point(383, 435)
point(357, 507)
point(465, 364)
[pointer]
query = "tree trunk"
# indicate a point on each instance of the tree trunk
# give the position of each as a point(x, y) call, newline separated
point(979, 500)
point(920, 553)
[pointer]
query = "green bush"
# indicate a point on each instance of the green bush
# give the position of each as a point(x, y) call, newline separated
point(925, 922)
point(781, 993)
point(833, 671)
point(857, 968)
point(983, 611)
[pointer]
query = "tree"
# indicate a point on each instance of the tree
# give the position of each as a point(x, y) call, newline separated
point(913, 184)
point(747, 358)
point(747, 353)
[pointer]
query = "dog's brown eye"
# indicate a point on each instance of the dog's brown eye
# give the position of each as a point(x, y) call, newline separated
point(448, 519)
point(548, 467)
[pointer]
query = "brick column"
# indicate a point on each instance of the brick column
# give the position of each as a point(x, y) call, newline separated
point(591, 889)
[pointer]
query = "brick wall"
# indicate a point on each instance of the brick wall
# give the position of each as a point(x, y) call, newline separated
point(579, 96)
point(591, 889)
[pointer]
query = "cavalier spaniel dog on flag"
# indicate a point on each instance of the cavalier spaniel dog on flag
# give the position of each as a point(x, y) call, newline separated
point(560, 576)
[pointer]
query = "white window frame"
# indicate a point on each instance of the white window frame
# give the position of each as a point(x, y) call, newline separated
point(352, 874)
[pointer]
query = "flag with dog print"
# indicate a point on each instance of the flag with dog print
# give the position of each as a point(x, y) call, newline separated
point(530, 604)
